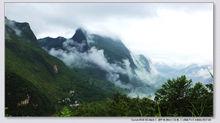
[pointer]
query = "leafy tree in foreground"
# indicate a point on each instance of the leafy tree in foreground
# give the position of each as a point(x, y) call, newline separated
point(178, 97)
point(201, 100)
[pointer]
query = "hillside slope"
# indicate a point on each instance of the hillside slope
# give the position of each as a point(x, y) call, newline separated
point(37, 81)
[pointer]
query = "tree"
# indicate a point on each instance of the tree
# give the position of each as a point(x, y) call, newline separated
point(173, 96)
point(179, 97)
point(201, 99)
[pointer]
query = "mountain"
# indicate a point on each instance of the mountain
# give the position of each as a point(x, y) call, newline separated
point(107, 59)
point(38, 84)
point(22, 30)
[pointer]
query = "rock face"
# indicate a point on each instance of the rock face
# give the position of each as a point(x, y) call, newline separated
point(55, 68)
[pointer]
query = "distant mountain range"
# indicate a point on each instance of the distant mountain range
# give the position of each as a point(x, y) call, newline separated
point(198, 73)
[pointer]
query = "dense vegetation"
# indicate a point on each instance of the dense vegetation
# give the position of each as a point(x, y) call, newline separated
point(177, 97)
point(18, 89)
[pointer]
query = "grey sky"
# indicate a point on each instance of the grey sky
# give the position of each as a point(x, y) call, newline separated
point(154, 29)
point(46, 17)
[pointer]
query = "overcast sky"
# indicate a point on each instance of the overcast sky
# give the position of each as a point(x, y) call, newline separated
point(172, 33)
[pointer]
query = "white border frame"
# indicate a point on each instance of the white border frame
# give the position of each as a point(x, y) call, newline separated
point(216, 61)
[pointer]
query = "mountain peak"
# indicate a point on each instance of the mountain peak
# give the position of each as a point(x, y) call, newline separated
point(80, 35)
point(80, 40)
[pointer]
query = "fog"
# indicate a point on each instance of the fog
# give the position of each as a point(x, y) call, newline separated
point(144, 81)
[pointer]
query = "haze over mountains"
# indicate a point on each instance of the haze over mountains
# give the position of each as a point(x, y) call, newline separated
point(105, 58)
point(109, 59)
point(113, 61)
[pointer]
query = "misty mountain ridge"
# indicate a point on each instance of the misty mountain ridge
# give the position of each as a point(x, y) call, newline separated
point(106, 58)
point(105, 55)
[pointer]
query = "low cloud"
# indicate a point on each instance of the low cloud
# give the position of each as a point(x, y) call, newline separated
point(13, 26)
point(94, 57)
point(141, 81)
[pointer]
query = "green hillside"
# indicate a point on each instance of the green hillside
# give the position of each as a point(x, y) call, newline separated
point(45, 79)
